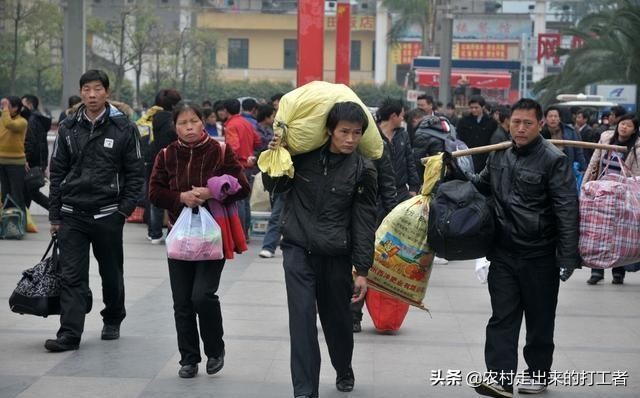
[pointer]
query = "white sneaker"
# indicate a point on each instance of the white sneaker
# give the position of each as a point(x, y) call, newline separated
point(440, 261)
point(157, 241)
point(531, 386)
point(264, 253)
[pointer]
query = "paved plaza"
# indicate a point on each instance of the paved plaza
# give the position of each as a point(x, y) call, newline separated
point(597, 336)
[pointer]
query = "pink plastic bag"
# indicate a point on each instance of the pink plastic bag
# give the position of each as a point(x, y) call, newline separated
point(195, 237)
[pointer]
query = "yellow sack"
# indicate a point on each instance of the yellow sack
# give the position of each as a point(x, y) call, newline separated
point(31, 225)
point(403, 260)
point(145, 123)
point(301, 122)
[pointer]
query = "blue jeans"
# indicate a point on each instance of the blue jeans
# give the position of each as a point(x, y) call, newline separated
point(156, 217)
point(272, 236)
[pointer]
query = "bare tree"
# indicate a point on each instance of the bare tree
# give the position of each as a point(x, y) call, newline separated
point(19, 12)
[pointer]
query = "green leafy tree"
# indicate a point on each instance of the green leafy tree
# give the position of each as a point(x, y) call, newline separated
point(410, 13)
point(609, 54)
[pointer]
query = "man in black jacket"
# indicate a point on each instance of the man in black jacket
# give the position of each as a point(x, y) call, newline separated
point(536, 244)
point(328, 227)
point(36, 147)
point(96, 178)
point(476, 128)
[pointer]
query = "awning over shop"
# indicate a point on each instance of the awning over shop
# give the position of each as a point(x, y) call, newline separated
point(426, 77)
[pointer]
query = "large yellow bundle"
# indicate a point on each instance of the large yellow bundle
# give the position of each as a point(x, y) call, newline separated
point(402, 261)
point(301, 122)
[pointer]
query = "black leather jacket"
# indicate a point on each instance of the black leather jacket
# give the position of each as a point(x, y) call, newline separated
point(536, 204)
point(97, 168)
point(387, 195)
point(330, 205)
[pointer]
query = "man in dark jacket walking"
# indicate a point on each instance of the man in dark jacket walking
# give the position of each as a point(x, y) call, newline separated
point(328, 227)
point(536, 245)
point(476, 128)
point(36, 147)
point(390, 118)
point(96, 178)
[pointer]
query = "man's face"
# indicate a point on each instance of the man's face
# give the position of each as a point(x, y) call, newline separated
point(94, 96)
point(27, 104)
point(524, 126)
point(346, 137)
point(580, 120)
point(552, 119)
point(223, 115)
point(475, 109)
point(425, 106)
point(396, 120)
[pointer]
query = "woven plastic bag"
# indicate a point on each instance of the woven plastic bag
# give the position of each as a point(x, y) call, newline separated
point(195, 237)
point(387, 312)
point(403, 260)
point(301, 122)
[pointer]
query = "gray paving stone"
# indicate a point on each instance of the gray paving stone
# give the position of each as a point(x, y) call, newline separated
point(11, 385)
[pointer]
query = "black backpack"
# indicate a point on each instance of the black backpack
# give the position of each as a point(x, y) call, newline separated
point(461, 225)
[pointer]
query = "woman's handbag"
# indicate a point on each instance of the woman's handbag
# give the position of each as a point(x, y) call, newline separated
point(195, 237)
point(38, 291)
point(34, 178)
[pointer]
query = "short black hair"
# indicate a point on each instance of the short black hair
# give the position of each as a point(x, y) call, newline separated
point(388, 107)
point(276, 96)
point(206, 112)
point(618, 110)
point(93, 75)
point(206, 104)
point(503, 112)
point(15, 102)
point(232, 105)
point(74, 100)
point(427, 98)
point(218, 105)
point(264, 111)
point(477, 99)
point(586, 113)
point(347, 111)
point(32, 99)
point(552, 108)
point(184, 106)
point(249, 104)
point(528, 104)
point(167, 98)
point(450, 105)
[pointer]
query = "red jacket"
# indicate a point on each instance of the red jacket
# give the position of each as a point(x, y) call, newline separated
point(240, 135)
point(181, 166)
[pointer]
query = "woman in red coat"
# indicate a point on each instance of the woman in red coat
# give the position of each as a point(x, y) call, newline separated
point(182, 176)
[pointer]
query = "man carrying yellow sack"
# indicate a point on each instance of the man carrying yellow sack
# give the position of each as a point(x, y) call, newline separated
point(328, 226)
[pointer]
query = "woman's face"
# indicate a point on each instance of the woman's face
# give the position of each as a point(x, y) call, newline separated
point(212, 119)
point(189, 126)
point(625, 130)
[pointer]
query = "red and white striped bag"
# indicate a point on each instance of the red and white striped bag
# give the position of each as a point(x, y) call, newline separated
point(610, 221)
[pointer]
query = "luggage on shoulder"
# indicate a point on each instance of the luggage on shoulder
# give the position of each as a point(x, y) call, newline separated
point(461, 225)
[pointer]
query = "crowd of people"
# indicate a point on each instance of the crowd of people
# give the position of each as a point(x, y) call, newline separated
point(179, 154)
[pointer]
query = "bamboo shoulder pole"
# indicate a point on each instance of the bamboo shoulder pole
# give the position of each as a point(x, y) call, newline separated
point(507, 144)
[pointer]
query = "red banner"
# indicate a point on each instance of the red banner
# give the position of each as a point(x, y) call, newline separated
point(478, 80)
point(343, 42)
point(548, 44)
point(310, 41)
point(480, 51)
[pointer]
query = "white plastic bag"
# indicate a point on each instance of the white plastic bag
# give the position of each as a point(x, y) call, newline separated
point(195, 237)
point(482, 269)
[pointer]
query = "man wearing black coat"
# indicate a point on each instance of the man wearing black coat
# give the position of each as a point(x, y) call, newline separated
point(328, 227)
point(36, 147)
point(536, 245)
point(476, 128)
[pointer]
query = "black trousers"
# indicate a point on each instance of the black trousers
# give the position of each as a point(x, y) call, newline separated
point(326, 282)
point(194, 285)
point(521, 286)
point(12, 182)
point(616, 271)
point(35, 196)
point(104, 235)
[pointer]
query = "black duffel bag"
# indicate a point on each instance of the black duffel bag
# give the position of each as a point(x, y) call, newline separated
point(38, 291)
point(461, 225)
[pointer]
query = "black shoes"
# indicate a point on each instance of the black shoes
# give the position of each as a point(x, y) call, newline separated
point(618, 280)
point(345, 381)
point(188, 371)
point(214, 364)
point(492, 389)
point(110, 332)
point(595, 279)
point(61, 344)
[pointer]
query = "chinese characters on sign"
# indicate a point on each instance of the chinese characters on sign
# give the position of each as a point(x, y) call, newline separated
point(358, 22)
point(548, 44)
point(480, 50)
point(404, 53)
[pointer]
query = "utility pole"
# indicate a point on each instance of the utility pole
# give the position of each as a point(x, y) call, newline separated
point(539, 27)
point(444, 91)
point(73, 48)
point(382, 27)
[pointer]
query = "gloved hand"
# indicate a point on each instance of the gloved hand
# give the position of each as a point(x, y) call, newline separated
point(452, 171)
point(565, 273)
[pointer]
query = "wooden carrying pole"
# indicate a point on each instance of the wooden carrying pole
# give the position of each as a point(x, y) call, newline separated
point(507, 144)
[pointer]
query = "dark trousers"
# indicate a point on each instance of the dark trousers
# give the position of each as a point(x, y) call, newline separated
point(12, 182)
point(326, 282)
point(104, 235)
point(617, 271)
point(194, 285)
point(36, 196)
point(521, 286)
